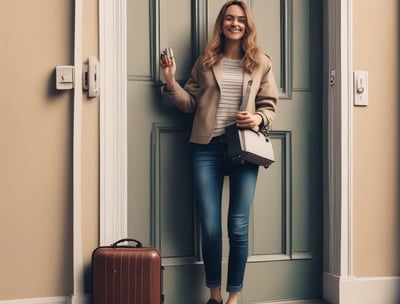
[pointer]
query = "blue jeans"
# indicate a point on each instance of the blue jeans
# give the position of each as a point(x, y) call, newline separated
point(210, 166)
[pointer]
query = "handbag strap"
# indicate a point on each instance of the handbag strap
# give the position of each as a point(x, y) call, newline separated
point(264, 130)
point(246, 96)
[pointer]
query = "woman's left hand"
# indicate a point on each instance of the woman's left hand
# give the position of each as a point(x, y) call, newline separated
point(247, 120)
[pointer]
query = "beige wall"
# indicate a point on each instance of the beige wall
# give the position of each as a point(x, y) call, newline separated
point(376, 140)
point(36, 149)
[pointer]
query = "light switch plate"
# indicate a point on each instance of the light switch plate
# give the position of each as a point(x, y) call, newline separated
point(360, 88)
point(64, 77)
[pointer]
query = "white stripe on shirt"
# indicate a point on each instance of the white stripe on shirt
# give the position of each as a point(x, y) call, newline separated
point(231, 94)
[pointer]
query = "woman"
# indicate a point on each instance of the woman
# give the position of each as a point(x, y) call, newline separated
point(213, 93)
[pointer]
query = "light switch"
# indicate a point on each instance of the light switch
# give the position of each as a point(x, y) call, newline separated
point(360, 88)
point(64, 77)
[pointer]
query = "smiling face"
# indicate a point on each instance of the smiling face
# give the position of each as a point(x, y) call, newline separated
point(234, 23)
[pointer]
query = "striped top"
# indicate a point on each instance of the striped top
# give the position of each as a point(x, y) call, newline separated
point(231, 94)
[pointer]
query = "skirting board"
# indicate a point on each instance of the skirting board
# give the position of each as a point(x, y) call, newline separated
point(85, 299)
point(356, 290)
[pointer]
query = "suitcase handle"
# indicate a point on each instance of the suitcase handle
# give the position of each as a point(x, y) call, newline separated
point(138, 244)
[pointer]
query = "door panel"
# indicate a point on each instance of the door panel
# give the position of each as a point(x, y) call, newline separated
point(285, 234)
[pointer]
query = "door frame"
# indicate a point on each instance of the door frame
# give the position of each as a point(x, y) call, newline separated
point(338, 131)
point(113, 120)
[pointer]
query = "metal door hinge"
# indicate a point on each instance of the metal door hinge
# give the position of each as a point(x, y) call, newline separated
point(90, 77)
point(332, 77)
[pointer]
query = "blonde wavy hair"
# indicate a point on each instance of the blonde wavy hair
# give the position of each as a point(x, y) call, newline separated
point(250, 48)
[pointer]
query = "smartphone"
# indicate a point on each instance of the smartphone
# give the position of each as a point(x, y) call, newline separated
point(169, 52)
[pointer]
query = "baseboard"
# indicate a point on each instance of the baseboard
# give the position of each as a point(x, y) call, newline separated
point(54, 300)
point(84, 299)
point(331, 288)
point(354, 290)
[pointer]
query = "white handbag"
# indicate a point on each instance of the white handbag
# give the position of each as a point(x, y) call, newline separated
point(249, 145)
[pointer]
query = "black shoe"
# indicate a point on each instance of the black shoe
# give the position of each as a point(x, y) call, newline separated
point(212, 301)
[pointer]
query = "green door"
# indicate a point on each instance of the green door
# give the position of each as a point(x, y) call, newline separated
point(285, 259)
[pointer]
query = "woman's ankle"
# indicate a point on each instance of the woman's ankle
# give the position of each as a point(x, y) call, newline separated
point(233, 298)
point(215, 293)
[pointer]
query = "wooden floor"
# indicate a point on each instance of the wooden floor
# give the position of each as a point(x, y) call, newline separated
point(294, 302)
point(302, 302)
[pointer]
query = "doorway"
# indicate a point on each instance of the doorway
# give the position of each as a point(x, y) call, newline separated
point(114, 199)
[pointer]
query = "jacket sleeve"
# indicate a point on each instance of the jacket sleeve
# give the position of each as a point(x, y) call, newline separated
point(267, 96)
point(184, 98)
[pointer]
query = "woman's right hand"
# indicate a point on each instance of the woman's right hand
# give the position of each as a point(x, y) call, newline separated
point(168, 69)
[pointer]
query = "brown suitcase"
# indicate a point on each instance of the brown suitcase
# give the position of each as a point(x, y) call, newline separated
point(124, 274)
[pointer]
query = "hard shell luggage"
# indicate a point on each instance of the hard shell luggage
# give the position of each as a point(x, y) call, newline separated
point(124, 274)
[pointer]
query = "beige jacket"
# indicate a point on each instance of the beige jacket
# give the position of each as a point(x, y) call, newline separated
point(201, 95)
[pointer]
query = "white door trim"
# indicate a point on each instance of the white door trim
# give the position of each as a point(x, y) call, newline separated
point(78, 295)
point(338, 165)
point(338, 192)
point(339, 132)
point(113, 112)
